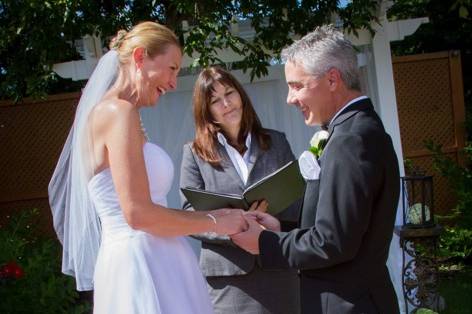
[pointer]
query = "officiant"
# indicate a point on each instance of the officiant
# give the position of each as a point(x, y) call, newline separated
point(232, 150)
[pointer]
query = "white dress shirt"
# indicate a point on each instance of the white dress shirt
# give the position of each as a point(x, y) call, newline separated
point(239, 162)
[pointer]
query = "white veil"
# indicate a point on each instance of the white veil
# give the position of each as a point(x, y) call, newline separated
point(75, 220)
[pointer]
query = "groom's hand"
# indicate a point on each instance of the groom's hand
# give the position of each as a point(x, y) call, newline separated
point(267, 221)
point(249, 239)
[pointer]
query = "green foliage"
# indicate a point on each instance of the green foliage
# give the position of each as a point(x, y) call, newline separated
point(456, 241)
point(411, 169)
point(425, 311)
point(459, 178)
point(36, 34)
point(42, 288)
point(33, 35)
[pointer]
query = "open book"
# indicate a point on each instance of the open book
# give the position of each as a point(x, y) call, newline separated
point(281, 188)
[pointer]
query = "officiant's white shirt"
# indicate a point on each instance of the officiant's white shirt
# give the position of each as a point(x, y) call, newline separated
point(239, 162)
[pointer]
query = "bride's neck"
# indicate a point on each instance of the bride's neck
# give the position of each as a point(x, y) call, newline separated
point(124, 87)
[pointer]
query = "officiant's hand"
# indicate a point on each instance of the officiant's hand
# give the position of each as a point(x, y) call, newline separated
point(260, 206)
point(229, 221)
point(249, 239)
point(268, 221)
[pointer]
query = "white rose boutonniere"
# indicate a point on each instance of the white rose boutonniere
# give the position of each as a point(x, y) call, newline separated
point(318, 142)
point(308, 161)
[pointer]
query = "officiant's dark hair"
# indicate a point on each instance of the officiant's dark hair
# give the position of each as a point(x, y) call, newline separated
point(205, 143)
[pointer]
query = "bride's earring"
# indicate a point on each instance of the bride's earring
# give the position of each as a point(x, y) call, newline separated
point(139, 87)
point(139, 83)
point(137, 90)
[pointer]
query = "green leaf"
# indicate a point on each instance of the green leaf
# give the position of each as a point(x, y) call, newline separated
point(45, 30)
point(463, 12)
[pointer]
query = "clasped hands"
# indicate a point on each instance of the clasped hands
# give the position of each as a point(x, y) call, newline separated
point(250, 224)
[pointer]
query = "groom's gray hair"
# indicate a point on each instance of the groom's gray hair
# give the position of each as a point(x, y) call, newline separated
point(323, 49)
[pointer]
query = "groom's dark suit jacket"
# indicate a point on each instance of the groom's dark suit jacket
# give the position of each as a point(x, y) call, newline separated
point(347, 221)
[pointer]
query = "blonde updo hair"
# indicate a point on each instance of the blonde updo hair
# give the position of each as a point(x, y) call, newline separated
point(153, 37)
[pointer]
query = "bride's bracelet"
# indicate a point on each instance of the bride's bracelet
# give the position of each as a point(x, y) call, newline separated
point(213, 218)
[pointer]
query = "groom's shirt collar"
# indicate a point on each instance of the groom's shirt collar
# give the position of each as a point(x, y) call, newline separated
point(347, 105)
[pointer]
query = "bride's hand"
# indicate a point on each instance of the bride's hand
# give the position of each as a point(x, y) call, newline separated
point(229, 221)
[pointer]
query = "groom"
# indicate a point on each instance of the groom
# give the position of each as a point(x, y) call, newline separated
point(349, 207)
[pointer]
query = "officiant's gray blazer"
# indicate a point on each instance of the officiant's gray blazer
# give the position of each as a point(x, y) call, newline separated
point(219, 257)
point(347, 221)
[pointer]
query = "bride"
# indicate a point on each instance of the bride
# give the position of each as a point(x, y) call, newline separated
point(108, 191)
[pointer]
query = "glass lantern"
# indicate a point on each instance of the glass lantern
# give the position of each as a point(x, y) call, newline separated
point(417, 201)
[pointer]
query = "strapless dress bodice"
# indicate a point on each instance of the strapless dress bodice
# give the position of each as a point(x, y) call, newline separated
point(160, 172)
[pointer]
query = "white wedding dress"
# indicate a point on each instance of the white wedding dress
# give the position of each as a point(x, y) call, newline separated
point(137, 272)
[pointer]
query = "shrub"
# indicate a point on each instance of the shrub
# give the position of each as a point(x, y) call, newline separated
point(30, 276)
point(456, 241)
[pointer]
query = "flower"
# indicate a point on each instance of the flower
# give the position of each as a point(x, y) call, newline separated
point(414, 214)
point(11, 270)
point(318, 142)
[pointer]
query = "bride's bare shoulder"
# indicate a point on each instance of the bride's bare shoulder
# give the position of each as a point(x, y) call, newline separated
point(114, 108)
